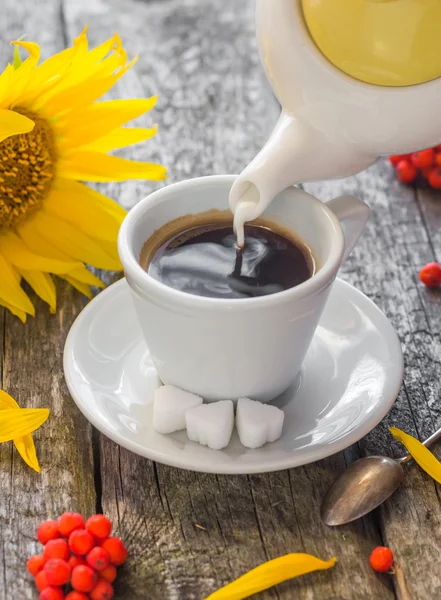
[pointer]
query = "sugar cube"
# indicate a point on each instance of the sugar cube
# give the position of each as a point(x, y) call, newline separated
point(258, 423)
point(169, 407)
point(211, 424)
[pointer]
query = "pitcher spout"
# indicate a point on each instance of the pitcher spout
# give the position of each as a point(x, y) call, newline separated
point(294, 153)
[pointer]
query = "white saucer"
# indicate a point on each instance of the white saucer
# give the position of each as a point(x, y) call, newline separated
point(349, 381)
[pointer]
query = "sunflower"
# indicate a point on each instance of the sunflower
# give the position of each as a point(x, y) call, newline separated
point(54, 135)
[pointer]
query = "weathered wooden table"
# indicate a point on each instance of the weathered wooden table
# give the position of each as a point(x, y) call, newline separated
point(215, 110)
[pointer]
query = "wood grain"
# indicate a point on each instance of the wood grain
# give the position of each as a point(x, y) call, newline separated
point(31, 371)
point(400, 238)
point(189, 533)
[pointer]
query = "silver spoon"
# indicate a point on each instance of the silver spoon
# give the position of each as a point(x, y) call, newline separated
point(364, 485)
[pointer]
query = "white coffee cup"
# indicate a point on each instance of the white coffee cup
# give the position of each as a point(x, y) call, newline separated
point(226, 349)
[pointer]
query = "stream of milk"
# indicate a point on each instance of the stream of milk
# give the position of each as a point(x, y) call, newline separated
point(246, 208)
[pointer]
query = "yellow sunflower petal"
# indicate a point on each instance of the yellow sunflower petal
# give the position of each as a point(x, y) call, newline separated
point(7, 401)
point(101, 61)
point(18, 254)
point(93, 166)
point(111, 248)
point(81, 43)
point(73, 242)
point(43, 286)
point(32, 48)
point(82, 69)
point(100, 201)
point(91, 218)
point(99, 81)
point(76, 96)
point(54, 66)
point(48, 77)
point(98, 53)
point(121, 137)
point(35, 241)
point(5, 80)
point(17, 422)
point(86, 91)
point(78, 285)
point(15, 311)
point(10, 290)
point(26, 448)
point(113, 64)
point(420, 453)
point(84, 126)
point(269, 574)
point(12, 123)
point(85, 276)
point(20, 77)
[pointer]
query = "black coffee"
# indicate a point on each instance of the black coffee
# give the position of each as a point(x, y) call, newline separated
point(205, 261)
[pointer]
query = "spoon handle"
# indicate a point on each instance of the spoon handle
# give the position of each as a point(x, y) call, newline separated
point(435, 436)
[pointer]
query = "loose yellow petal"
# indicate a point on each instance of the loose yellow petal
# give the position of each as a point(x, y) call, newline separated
point(12, 123)
point(18, 254)
point(17, 422)
point(93, 166)
point(74, 206)
point(269, 574)
point(419, 452)
point(73, 242)
point(121, 137)
point(7, 401)
point(86, 125)
point(43, 286)
point(10, 290)
point(24, 444)
point(26, 448)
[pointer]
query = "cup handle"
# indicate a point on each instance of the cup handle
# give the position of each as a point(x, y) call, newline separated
point(353, 215)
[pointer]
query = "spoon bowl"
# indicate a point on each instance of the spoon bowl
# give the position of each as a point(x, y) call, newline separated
point(363, 486)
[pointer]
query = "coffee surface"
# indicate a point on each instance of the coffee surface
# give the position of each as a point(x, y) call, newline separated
point(205, 261)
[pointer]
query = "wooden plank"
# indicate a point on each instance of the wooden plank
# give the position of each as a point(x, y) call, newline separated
point(214, 111)
point(403, 234)
point(31, 361)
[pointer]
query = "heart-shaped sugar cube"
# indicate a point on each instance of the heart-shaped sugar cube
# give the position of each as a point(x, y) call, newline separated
point(258, 423)
point(211, 424)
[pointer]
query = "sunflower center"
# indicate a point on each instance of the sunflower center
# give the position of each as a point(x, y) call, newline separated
point(27, 168)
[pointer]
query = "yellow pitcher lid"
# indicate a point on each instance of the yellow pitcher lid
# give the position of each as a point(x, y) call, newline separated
point(384, 42)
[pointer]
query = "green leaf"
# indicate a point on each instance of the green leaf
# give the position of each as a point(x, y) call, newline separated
point(17, 58)
point(16, 61)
